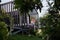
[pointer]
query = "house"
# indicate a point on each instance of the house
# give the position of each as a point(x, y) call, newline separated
point(18, 20)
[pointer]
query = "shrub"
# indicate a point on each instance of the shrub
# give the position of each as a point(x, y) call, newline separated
point(3, 31)
point(51, 26)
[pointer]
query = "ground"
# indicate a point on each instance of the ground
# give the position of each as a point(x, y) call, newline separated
point(23, 37)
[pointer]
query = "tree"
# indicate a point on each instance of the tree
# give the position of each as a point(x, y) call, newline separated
point(57, 4)
point(27, 5)
point(50, 23)
point(51, 26)
point(55, 8)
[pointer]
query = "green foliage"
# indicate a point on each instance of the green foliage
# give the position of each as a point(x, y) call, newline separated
point(5, 17)
point(3, 26)
point(36, 23)
point(57, 2)
point(23, 37)
point(51, 25)
point(26, 5)
point(32, 31)
point(3, 31)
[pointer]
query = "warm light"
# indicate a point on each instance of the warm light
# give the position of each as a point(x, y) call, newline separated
point(39, 31)
point(33, 21)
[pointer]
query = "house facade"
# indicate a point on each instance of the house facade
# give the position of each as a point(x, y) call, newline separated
point(18, 19)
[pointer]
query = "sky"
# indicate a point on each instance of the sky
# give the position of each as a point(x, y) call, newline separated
point(44, 9)
point(4, 1)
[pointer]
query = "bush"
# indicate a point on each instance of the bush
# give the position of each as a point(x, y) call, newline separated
point(3, 31)
point(51, 26)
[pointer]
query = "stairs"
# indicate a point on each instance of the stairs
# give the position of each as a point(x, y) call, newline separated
point(19, 30)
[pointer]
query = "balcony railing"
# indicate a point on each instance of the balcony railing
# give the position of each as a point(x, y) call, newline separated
point(9, 9)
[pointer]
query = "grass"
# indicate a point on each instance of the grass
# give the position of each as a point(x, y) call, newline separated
point(23, 37)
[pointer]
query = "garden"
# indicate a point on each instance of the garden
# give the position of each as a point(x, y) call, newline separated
point(49, 24)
